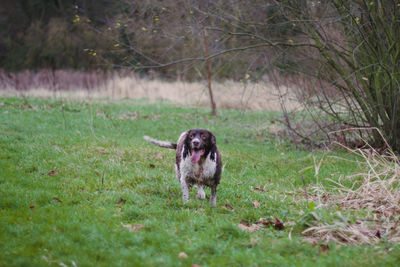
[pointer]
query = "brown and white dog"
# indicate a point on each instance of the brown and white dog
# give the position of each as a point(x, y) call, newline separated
point(198, 161)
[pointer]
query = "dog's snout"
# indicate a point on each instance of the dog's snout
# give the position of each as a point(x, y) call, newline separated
point(196, 143)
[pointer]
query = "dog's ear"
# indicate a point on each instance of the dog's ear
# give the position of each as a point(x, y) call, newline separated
point(185, 151)
point(186, 145)
point(213, 147)
point(213, 140)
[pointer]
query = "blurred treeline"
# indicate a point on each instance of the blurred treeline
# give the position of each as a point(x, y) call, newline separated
point(39, 34)
point(115, 34)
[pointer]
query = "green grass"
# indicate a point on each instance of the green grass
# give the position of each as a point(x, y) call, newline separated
point(98, 156)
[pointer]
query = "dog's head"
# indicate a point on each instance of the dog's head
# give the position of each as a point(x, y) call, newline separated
point(200, 143)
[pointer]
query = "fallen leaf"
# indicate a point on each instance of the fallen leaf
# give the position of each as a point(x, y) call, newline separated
point(53, 172)
point(229, 207)
point(57, 199)
point(121, 201)
point(151, 165)
point(101, 150)
point(129, 116)
point(159, 156)
point(32, 207)
point(256, 204)
point(278, 224)
point(251, 228)
point(195, 265)
point(259, 188)
point(245, 225)
point(182, 255)
point(323, 248)
point(127, 226)
point(137, 227)
point(32, 107)
point(131, 228)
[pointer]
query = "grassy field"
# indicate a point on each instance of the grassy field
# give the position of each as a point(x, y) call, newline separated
point(80, 187)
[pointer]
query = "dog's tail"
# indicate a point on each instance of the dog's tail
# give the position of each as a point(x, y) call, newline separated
point(165, 144)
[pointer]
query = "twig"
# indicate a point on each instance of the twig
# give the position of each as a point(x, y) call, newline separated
point(63, 114)
point(292, 132)
point(208, 64)
point(226, 51)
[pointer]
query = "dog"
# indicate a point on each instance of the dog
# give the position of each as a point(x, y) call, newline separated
point(198, 161)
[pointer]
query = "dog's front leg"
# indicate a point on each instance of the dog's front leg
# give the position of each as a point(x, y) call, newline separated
point(200, 192)
point(185, 190)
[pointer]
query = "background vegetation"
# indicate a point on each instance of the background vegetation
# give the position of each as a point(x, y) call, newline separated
point(345, 53)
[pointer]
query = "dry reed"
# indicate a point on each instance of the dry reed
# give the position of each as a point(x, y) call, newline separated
point(376, 191)
point(244, 95)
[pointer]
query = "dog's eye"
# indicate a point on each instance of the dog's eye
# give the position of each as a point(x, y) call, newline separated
point(191, 136)
point(203, 137)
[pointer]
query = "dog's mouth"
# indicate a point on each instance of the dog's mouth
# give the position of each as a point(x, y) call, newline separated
point(196, 155)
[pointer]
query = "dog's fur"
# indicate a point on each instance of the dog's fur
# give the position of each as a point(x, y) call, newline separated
point(198, 161)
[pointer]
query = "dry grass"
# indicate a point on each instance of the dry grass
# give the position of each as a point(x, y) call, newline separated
point(377, 191)
point(98, 84)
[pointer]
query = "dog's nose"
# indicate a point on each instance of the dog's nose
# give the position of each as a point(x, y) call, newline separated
point(196, 143)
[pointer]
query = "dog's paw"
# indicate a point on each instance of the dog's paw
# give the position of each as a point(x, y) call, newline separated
point(201, 195)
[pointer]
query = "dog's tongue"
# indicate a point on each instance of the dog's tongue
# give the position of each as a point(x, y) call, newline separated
point(196, 154)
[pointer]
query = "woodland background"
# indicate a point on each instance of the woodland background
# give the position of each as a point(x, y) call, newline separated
point(341, 58)
point(87, 35)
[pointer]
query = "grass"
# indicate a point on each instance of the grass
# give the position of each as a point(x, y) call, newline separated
point(80, 187)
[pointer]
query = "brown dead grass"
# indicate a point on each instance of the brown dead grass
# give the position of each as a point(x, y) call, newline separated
point(115, 85)
point(377, 191)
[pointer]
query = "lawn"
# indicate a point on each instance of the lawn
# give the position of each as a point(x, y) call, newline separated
point(80, 187)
